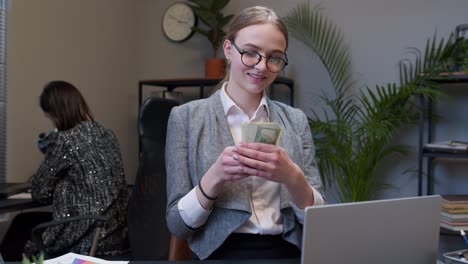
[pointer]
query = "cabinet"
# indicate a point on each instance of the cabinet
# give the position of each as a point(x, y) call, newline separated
point(426, 126)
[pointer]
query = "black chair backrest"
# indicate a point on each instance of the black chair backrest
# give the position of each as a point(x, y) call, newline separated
point(148, 233)
point(152, 122)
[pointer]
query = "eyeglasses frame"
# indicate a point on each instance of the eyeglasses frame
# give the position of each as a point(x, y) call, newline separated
point(242, 52)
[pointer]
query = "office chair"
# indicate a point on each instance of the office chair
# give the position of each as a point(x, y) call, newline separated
point(19, 232)
point(36, 233)
point(179, 249)
point(148, 233)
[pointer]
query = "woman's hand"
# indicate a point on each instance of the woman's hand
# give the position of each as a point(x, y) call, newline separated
point(273, 163)
point(268, 161)
point(225, 169)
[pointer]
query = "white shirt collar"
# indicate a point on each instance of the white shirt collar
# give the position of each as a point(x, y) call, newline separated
point(228, 103)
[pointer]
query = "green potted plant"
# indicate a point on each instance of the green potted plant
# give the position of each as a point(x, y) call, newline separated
point(35, 259)
point(353, 135)
point(209, 11)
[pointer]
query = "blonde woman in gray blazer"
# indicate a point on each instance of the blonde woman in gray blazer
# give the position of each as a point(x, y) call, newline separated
point(232, 199)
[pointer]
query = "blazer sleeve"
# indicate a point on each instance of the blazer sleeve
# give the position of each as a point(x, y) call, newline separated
point(52, 169)
point(310, 165)
point(177, 169)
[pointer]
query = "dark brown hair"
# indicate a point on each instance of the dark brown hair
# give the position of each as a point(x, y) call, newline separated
point(64, 103)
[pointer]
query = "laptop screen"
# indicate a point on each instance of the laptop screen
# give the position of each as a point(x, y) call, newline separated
point(404, 230)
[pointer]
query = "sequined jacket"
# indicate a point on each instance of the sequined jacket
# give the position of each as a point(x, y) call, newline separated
point(82, 174)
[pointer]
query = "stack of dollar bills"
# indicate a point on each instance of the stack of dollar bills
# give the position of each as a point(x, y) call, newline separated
point(262, 132)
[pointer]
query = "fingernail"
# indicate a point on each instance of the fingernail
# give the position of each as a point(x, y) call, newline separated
point(235, 157)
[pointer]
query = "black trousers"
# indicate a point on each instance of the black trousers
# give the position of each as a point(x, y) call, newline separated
point(250, 246)
point(19, 232)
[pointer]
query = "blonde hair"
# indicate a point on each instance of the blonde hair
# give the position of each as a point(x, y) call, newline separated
point(253, 16)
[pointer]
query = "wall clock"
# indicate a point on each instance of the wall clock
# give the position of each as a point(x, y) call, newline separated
point(178, 21)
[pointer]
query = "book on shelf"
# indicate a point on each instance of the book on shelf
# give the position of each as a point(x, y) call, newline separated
point(454, 214)
point(455, 210)
point(450, 216)
point(454, 222)
point(455, 203)
point(454, 228)
point(455, 198)
point(455, 206)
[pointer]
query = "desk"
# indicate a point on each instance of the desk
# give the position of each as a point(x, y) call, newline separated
point(259, 261)
point(12, 205)
point(263, 261)
point(256, 261)
point(201, 83)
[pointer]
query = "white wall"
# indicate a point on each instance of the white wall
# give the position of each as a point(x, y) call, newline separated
point(115, 43)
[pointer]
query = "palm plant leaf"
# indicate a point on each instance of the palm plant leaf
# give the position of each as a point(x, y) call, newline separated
point(352, 135)
point(316, 31)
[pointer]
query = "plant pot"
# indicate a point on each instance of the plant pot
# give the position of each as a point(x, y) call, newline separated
point(215, 68)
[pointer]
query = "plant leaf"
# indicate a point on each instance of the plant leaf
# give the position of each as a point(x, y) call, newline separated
point(353, 134)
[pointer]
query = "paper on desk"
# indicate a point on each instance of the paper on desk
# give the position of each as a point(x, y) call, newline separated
point(73, 258)
point(23, 195)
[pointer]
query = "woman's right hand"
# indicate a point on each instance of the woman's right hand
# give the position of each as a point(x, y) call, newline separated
point(225, 169)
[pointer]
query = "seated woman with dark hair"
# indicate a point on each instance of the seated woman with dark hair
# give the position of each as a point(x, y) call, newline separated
point(81, 174)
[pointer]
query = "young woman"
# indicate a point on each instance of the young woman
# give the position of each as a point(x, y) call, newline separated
point(81, 174)
point(234, 199)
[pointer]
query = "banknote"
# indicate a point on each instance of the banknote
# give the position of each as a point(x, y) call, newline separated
point(262, 132)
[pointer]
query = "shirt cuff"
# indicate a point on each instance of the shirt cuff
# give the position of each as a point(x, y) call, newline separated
point(318, 200)
point(191, 211)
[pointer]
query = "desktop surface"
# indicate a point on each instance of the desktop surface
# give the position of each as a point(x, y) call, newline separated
point(252, 261)
point(256, 261)
point(8, 189)
point(13, 205)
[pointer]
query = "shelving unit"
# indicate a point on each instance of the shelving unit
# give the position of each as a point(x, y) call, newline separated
point(202, 83)
point(424, 153)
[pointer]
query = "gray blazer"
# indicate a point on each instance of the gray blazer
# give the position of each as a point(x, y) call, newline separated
point(197, 134)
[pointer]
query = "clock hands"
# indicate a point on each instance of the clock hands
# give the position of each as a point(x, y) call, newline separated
point(178, 20)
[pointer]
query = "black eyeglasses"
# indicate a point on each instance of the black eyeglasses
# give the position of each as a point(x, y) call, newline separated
point(251, 58)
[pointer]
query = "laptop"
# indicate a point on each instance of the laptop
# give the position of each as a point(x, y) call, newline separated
point(403, 231)
point(9, 189)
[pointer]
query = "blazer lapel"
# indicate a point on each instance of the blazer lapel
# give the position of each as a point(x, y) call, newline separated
point(235, 195)
point(221, 120)
point(284, 142)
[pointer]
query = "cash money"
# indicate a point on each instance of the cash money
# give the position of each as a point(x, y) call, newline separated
point(262, 132)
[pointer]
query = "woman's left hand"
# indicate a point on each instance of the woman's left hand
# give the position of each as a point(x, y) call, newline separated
point(270, 162)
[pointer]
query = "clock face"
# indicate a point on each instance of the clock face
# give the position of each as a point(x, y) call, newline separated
point(178, 21)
